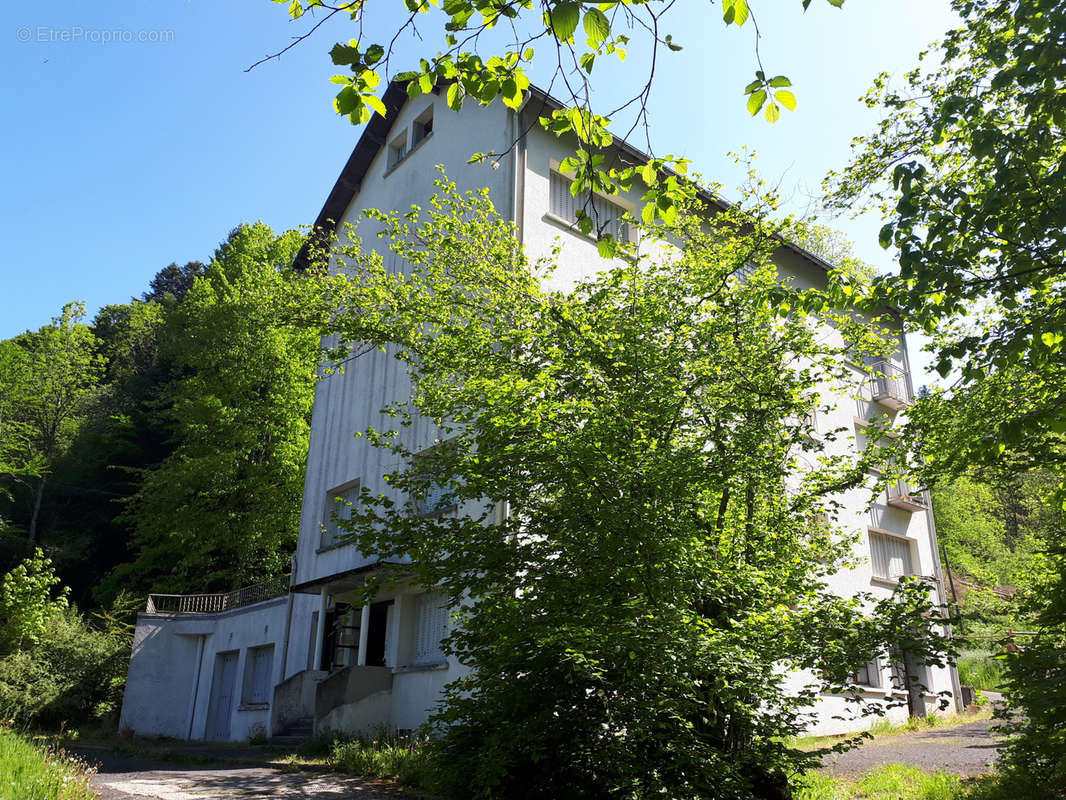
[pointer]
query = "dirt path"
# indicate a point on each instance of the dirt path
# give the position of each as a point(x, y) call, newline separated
point(124, 778)
point(965, 750)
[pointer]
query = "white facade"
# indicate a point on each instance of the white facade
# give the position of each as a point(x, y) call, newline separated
point(389, 645)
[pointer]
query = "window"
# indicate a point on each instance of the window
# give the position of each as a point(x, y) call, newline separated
point(606, 215)
point(431, 628)
point(423, 126)
point(257, 669)
point(338, 509)
point(890, 556)
point(397, 150)
point(869, 675)
point(437, 498)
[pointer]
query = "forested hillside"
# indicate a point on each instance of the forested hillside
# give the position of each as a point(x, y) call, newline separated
point(161, 445)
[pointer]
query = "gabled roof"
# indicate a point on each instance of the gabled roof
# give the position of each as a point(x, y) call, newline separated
point(377, 133)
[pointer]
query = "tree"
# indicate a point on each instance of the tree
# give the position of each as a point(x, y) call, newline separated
point(631, 621)
point(834, 248)
point(480, 49)
point(973, 143)
point(54, 375)
point(172, 283)
point(27, 602)
point(223, 508)
point(973, 147)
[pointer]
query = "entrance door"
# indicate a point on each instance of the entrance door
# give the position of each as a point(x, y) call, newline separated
point(223, 688)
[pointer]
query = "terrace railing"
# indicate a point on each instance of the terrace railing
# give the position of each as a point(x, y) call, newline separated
point(217, 602)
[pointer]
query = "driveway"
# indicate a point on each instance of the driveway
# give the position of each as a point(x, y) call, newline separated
point(125, 778)
point(964, 750)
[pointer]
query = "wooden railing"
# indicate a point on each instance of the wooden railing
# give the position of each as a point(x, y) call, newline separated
point(218, 601)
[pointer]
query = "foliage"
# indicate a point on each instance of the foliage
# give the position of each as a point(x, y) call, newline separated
point(32, 774)
point(461, 52)
point(400, 759)
point(662, 566)
point(980, 670)
point(834, 248)
point(222, 510)
point(973, 143)
point(49, 378)
point(27, 603)
point(75, 673)
point(887, 782)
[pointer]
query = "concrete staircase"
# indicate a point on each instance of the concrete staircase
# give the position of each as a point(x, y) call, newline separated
point(295, 733)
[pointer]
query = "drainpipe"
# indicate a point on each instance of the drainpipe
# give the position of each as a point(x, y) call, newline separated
point(953, 667)
point(196, 683)
point(288, 622)
point(320, 632)
point(518, 171)
point(364, 625)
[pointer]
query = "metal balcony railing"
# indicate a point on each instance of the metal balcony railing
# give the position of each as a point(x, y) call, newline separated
point(218, 601)
point(888, 385)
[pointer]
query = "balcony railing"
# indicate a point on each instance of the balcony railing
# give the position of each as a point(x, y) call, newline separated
point(888, 385)
point(902, 495)
point(218, 601)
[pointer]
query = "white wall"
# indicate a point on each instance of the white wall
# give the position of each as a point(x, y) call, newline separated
point(173, 662)
point(351, 401)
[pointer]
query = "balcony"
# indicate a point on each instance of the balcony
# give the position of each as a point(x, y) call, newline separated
point(217, 602)
point(906, 497)
point(888, 385)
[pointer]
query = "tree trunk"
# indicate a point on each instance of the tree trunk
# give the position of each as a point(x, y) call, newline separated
point(37, 508)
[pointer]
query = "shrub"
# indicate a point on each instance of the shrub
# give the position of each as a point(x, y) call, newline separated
point(75, 673)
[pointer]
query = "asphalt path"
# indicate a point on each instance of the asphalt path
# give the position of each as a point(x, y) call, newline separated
point(968, 749)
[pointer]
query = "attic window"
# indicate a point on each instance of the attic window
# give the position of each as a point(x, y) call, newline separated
point(606, 215)
point(423, 126)
point(397, 149)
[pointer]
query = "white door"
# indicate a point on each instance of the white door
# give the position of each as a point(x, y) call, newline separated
point(223, 687)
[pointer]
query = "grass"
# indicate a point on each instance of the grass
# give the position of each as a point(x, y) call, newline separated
point(894, 782)
point(981, 670)
point(399, 759)
point(30, 773)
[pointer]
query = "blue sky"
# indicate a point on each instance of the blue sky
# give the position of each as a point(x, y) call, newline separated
point(122, 156)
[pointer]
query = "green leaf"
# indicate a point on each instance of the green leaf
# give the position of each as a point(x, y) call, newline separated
point(780, 82)
point(455, 96)
point(755, 102)
point(786, 98)
point(564, 19)
point(606, 246)
point(345, 54)
point(347, 100)
point(735, 11)
point(597, 26)
point(375, 103)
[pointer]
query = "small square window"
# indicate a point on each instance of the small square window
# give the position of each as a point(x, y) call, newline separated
point(423, 126)
point(338, 509)
point(869, 675)
point(397, 150)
